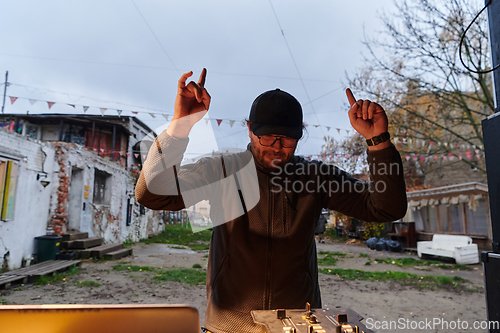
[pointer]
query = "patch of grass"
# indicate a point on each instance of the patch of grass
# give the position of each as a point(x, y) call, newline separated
point(19, 289)
point(133, 268)
point(182, 235)
point(368, 263)
point(329, 257)
point(88, 284)
point(338, 254)
point(405, 262)
point(3, 301)
point(364, 255)
point(192, 277)
point(196, 266)
point(422, 282)
point(127, 244)
point(205, 256)
point(178, 247)
point(49, 279)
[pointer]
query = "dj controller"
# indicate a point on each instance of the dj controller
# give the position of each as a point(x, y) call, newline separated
point(310, 321)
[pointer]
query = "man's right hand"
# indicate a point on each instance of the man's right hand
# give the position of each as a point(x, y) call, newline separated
point(191, 104)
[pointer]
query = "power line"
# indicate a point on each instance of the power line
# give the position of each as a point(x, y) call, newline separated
point(86, 61)
point(294, 63)
point(161, 68)
point(150, 29)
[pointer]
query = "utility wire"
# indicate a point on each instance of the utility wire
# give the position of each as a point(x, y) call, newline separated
point(161, 68)
point(294, 63)
point(150, 29)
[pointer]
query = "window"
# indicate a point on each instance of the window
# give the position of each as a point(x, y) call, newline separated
point(477, 220)
point(102, 188)
point(31, 131)
point(8, 180)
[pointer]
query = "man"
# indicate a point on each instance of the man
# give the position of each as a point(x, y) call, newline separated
point(262, 252)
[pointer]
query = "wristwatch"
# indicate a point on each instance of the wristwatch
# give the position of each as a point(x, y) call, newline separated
point(378, 139)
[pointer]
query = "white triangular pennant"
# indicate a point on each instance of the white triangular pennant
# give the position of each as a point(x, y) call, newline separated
point(231, 123)
point(32, 101)
point(103, 111)
point(119, 112)
point(166, 116)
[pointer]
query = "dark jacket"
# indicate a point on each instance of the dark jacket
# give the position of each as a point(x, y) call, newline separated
point(266, 257)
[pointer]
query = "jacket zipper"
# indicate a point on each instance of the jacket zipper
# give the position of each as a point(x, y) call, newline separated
point(267, 303)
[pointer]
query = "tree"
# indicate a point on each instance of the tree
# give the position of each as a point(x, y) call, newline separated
point(435, 105)
point(349, 154)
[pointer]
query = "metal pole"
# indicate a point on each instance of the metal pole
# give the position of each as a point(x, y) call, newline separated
point(494, 25)
point(491, 134)
point(5, 89)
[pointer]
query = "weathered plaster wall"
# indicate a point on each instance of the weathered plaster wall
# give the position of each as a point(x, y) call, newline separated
point(17, 236)
point(100, 220)
point(39, 211)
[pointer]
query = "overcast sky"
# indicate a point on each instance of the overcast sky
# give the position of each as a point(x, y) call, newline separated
point(128, 55)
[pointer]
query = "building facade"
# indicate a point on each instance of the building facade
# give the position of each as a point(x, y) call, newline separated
point(70, 173)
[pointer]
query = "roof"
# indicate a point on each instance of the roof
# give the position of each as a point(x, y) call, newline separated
point(84, 120)
point(454, 194)
point(448, 191)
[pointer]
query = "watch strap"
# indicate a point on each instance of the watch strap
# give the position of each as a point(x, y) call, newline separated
point(378, 139)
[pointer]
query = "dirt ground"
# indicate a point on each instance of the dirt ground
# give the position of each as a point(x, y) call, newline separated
point(378, 302)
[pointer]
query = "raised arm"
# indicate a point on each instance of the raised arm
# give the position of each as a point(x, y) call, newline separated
point(157, 186)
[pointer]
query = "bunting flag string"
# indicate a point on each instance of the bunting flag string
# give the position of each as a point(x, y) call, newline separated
point(119, 112)
point(332, 157)
point(471, 150)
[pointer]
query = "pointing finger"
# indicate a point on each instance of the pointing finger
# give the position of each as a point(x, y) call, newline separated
point(350, 97)
point(203, 75)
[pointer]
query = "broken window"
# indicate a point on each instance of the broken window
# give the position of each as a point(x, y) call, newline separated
point(31, 131)
point(102, 187)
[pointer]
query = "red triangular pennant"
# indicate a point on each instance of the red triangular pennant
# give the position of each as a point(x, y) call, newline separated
point(50, 104)
point(12, 99)
point(219, 121)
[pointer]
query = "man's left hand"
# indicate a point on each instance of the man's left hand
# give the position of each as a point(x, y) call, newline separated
point(367, 118)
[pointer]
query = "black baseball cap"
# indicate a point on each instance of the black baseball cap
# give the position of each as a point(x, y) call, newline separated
point(276, 112)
